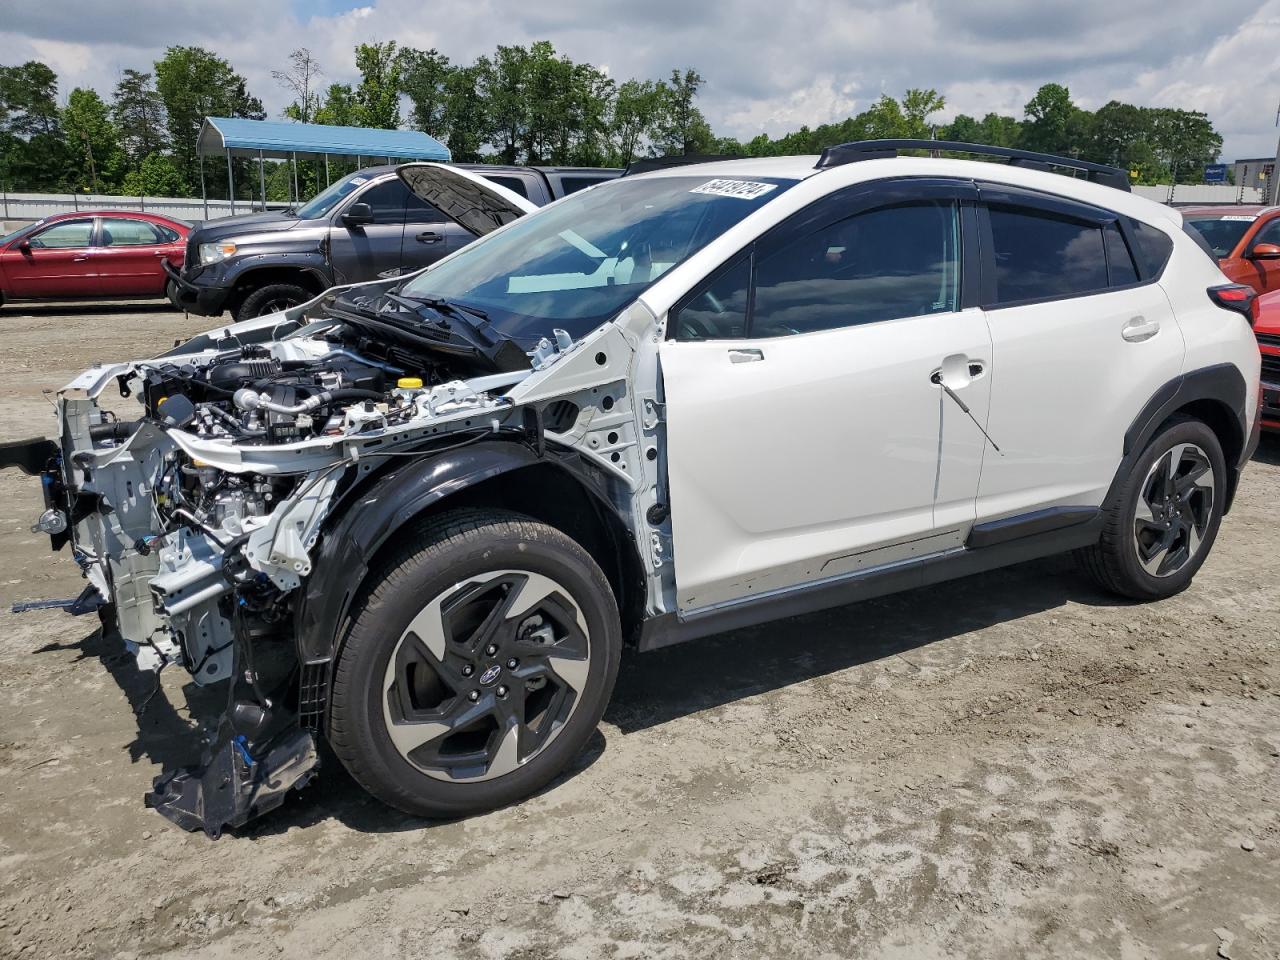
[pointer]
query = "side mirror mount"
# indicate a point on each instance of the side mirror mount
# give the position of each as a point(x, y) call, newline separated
point(24, 245)
point(358, 214)
point(1265, 251)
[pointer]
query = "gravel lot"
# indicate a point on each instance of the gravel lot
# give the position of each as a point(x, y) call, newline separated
point(1012, 765)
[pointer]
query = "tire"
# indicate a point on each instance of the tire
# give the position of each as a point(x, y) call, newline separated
point(171, 293)
point(272, 298)
point(1151, 546)
point(407, 719)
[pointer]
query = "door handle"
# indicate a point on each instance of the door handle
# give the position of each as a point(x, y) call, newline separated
point(80, 259)
point(429, 236)
point(745, 355)
point(1139, 329)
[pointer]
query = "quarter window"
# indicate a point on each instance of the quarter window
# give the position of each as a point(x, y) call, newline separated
point(1152, 248)
point(1119, 260)
point(900, 261)
point(1041, 256)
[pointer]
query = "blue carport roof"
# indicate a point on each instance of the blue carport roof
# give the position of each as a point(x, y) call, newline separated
point(273, 138)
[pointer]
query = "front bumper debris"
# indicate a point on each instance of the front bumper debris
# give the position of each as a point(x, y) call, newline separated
point(232, 787)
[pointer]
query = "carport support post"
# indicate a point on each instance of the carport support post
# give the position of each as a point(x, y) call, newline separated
point(204, 197)
point(231, 184)
point(262, 181)
point(327, 181)
point(297, 195)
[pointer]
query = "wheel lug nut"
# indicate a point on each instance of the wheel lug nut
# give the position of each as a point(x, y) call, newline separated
point(473, 696)
point(468, 670)
point(512, 663)
point(501, 691)
point(491, 649)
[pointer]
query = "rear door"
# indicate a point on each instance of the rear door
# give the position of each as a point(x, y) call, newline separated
point(368, 251)
point(1082, 343)
point(53, 262)
point(129, 255)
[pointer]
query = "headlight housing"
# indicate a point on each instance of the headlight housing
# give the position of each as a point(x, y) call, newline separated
point(213, 252)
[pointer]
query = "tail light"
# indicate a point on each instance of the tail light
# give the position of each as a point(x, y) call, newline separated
point(1237, 297)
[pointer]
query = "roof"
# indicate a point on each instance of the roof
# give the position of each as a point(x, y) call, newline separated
point(786, 168)
point(1226, 210)
point(126, 214)
point(279, 139)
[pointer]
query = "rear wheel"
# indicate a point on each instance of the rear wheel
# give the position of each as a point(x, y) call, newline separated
point(1163, 519)
point(272, 298)
point(477, 667)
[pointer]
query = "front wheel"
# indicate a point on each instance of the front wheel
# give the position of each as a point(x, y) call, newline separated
point(477, 667)
point(1161, 522)
point(272, 298)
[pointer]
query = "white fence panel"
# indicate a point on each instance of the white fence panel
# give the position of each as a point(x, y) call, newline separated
point(33, 206)
point(1210, 193)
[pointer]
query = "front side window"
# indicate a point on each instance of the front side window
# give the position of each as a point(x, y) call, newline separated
point(119, 232)
point(578, 263)
point(1270, 233)
point(323, 203)
point(885, 264)
point(386, 200)
point(65, 235)
point(1042, 256)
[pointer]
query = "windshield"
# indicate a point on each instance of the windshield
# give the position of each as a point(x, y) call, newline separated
point(1221, 233)
point(320, 205)
point(575, 265)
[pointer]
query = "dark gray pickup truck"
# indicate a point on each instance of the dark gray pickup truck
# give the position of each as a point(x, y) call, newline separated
point(363, 227)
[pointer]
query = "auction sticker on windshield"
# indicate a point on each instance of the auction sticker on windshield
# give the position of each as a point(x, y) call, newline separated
point(742, 189)
point(1239, 218)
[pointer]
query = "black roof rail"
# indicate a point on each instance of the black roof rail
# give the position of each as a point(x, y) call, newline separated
point(877, 149)
point(645, 164)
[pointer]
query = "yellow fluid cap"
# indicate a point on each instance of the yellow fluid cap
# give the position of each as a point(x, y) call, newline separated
point(409, 383)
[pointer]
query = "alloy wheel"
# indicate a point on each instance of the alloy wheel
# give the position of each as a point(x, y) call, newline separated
point(486, 675)
point(1174, 507)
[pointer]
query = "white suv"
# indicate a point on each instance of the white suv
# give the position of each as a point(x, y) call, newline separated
point(422, 516)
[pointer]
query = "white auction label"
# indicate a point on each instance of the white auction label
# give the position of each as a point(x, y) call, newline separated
point(742, 189)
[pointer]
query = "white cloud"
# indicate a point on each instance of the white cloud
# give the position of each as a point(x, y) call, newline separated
point(768, 66)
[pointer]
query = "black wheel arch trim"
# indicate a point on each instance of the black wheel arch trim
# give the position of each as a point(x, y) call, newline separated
point(1221, 384)
point(373, 508)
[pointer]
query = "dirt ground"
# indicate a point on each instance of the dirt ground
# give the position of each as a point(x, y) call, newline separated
point(1012, 765)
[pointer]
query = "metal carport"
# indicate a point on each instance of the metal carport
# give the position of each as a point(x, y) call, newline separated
point(281, 140)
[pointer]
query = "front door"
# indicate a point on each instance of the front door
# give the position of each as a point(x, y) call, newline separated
point(428, 235)
point(807, 438)
point(370, 251)
point(128, 257)
point(1261, 273)
point(53, 262)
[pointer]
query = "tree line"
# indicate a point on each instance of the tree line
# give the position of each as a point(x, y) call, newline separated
point(520, 104)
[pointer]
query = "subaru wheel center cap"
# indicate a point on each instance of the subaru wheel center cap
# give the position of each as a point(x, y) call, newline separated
point(490, 675)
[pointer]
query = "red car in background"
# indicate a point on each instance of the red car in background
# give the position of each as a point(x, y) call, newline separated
point(1245, 239)
point(1266, 328)
point(91, 255)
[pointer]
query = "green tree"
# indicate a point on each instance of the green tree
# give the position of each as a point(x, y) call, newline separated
point(681, 128)
point(194, 84)
point(635, 109)
point(338, 106)
point(503, 87)
point(33, 153)
point(465, 123)
point(424, 77)
point(917, 107)
point(378, 95)
point(155, 176)
point(1054, 123)
point(139, 115)
point(96, 160)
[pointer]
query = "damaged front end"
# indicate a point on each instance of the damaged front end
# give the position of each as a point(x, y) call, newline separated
point(197, 524)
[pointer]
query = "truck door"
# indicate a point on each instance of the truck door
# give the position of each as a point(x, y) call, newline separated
point(363, 249)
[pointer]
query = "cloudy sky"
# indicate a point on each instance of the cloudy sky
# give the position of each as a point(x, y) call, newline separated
point(769, 66)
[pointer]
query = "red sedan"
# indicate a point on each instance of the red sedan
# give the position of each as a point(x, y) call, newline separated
point(90, 255)
point(1267, 329)
point(1245, 239)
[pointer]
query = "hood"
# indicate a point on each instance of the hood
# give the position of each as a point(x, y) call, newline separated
point(270, 222)
point(480, 205)
point(1267, 312)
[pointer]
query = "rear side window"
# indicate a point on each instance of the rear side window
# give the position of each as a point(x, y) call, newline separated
point(574, 184)
point(1119, 261)
point(514, 184)
point(1152, 248)
point(1041, 256)
point(118, 232)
